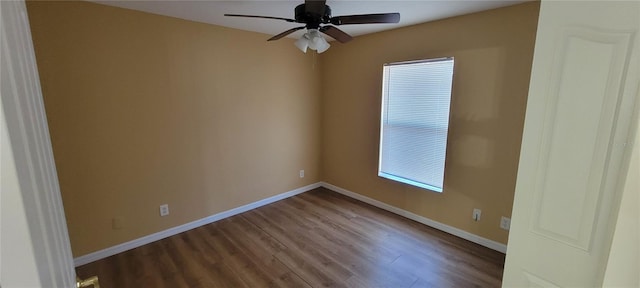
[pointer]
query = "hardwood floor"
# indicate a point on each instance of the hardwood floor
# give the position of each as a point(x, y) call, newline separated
point(315, 239)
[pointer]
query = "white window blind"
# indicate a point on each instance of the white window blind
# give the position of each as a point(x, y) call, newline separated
point(415, 121)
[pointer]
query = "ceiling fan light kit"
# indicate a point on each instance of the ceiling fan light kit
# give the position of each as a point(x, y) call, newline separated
point(314, 13)
point(312, 40)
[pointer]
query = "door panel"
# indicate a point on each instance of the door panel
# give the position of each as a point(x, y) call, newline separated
point(581, 109)
point(583, 87)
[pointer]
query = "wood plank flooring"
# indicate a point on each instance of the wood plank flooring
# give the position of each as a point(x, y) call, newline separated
point(315, 239)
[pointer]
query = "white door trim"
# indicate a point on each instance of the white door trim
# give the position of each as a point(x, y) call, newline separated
point(29, 137)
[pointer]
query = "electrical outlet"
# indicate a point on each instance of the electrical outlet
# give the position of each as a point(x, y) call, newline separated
point(505, 223)
point(301, 173)
point(476, 214)
point(164, 209)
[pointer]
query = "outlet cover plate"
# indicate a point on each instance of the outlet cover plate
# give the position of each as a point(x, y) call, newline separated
point(505, 223)
point(164, 209)
point(476, 214)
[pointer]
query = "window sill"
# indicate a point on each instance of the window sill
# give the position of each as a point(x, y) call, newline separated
point(410, 182)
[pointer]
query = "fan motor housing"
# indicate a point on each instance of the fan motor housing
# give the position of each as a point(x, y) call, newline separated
point(313, 21)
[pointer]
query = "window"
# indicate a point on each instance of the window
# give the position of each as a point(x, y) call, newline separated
point(415, 120)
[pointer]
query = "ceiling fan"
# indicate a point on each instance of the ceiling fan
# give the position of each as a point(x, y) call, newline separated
point(316, 16)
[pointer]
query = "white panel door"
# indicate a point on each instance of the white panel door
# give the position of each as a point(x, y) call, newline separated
point(584, 84)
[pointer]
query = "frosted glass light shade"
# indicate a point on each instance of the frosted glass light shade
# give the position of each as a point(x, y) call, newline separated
point(312, 40)
point(302, 44)
point(321, 44)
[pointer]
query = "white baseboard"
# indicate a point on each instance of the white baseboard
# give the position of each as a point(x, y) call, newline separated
point(91, 257)
point(104, 253)
point(426, 221)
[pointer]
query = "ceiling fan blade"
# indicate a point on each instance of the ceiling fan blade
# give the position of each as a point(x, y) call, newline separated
point(336, 33)
point(316, 7)
point(285, 33)
point(366, 19)
point(264, 17)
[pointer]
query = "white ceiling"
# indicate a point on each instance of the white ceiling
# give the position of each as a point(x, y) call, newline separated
point(411, 12)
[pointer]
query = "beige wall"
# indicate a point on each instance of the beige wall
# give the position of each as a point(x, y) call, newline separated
point(493, 52)
point(145, 110)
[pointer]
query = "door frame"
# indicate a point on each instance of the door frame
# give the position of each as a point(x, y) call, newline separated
point(30, 146)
